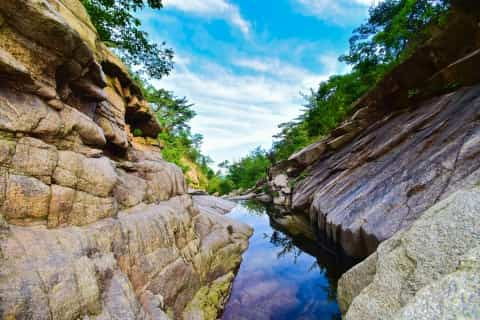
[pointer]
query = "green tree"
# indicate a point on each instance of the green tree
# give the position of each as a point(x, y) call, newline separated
point(394, 28)
point(172, 112)
point(120, 29)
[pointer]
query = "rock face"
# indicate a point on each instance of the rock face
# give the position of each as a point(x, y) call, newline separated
point(399, 153)
point(429, 271)
point(94, 224)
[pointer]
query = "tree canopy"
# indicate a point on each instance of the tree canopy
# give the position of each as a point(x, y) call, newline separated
point(120, 29)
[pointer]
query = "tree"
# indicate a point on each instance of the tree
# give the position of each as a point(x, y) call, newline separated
point(393, 29)
point(172, 112)
point(120, 29)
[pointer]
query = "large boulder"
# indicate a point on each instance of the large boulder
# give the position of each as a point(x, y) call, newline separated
point(428, 271)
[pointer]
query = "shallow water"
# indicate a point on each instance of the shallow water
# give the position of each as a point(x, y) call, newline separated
point(282, 277)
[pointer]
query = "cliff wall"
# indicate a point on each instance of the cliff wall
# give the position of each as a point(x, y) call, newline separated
point(94, 224)
point(410, 142)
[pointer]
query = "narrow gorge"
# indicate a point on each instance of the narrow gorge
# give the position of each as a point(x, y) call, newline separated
point(96, 224)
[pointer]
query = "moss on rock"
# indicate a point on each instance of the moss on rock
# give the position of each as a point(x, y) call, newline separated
point(209, 300)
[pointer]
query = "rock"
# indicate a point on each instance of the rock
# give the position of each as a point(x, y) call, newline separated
point(21, 112)
point(455, 296)
point(93, 175)
point(280, 181)
point(398, 169)
point(88, 130)
point(418, 268)
point(9, 64)
point(25, 197)
point(308, 155)
point(35, 158)
point(398, 153)
point(213, 204)
point(130, 189)
point(208, 300)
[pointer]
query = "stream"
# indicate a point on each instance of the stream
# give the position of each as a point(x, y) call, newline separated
point(283, 276)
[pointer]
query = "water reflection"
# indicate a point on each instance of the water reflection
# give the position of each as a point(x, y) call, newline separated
point(283, 275)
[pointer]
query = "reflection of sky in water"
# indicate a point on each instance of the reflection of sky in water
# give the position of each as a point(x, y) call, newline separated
point(277, 283)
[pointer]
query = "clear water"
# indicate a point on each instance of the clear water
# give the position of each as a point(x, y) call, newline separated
point(282, 277)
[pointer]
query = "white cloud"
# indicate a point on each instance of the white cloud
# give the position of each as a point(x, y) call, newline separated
point(237, 112)
point(214, 9)
point(344, 12)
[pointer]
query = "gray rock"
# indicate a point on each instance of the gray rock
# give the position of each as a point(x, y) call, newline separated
point(421, 263)
point(213, 204)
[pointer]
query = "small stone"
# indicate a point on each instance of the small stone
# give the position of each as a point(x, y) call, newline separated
point(47, 92)
point(56, 104)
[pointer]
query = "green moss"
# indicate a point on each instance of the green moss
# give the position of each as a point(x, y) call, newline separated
point(210, 299)
point(4, 135)
point(137, 132)
point(453, 85)
point(412, 93)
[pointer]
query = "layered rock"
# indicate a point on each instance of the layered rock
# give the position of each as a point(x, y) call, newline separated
point(410, 142)
point(429, 271)
point(94, 224)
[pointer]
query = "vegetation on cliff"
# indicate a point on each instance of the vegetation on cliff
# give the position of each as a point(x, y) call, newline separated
point(392, 31)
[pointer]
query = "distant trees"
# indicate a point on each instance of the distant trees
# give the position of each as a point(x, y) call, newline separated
point(241, 174)
point(120, 29)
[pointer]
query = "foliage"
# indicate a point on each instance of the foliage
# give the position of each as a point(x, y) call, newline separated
point(325, 108)
point(242, 174)
point(220, 185)
point(247, 171)
point(393, 30)
point(172, 112)
point(120, 29)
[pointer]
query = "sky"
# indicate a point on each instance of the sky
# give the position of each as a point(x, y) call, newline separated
point(244, 64)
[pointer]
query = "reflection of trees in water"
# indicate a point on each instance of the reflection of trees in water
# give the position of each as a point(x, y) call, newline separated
point(290, 248)
point(255, 207)
point(329, 260)
point(286, 244)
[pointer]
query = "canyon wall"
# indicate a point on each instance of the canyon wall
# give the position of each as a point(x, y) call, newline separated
point(94, 224)
point(398, 182)
point(410, 142)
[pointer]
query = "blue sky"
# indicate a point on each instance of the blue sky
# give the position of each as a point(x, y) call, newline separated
point(244, 63)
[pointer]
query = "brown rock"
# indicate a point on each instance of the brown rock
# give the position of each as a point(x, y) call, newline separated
point(35, 158)
point(93, 175)
point(25, 197)
point(26, 113)
point(130, 190)
point(398, 169)
point(88, 130)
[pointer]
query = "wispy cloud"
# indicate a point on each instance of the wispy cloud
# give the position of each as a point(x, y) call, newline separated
point(238, 111)
point(214, 9)
point(343, 12)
